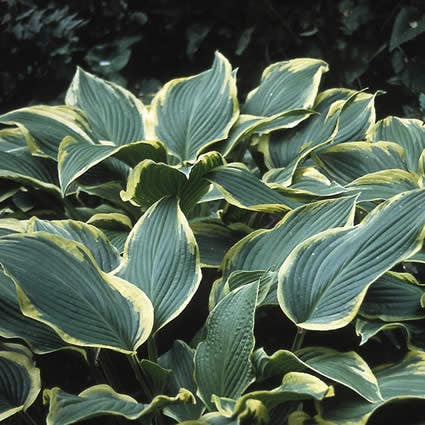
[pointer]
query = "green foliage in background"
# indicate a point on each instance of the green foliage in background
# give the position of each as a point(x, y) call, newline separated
point(273, 228)
point(375, 45)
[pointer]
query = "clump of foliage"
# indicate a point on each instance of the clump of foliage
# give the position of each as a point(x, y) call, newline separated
point(292, 215)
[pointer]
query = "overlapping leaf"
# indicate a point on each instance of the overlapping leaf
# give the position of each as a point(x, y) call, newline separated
point(161, 257)
point(397, 381)
point(349, 161)
point(76, 157)
point(348, 369)
point(267, 249)
point(408, 133)
point(324, 280)
point(285, 86)
point(105, 255)
point(74, 297)
point(180, 360)
point(394, 296)
point(150, 181)
point(45, 127)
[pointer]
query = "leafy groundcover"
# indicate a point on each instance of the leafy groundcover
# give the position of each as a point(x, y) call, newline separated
point(210, 261)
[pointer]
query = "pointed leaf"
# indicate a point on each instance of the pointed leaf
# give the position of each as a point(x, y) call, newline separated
point(324, 280)
point(222, 361)
point(161, 258)
point(113, 113)
point(415, 331)
point(284, 147)
point(408, 133)
point(72, 295)
point(190, 114)
point(285, 86)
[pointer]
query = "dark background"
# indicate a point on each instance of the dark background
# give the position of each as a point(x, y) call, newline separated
point(143, 43)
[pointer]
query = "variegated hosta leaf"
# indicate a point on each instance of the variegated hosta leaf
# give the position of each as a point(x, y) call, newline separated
point(408, 133)
point(223, 364)
point(250, 411)
point(11, 225)
point(23, 168)
point(397, 381)
point(161, 257)
point(244, 125)
point(76, 157)
point(414, 330)
point(308, 181)
point(105, 255)
point(343, 115)
point(58, 283)
point(285, 86)
point(45, 127)
point(286, 147)
point(115, 226)
point(394, 296)
point(190, 114)
point(150, 181)
point(295, 386)
point(268, 249)
point(348, 369)
point(113, 113)
point(100, 400)
point(266, 280)
point(214, 239)
point(180, 360)
point(243, 189)
point(12, 140)
point(19, 381)
point(214, 418)
point(357, 117)
point(383, 184)
point(349, 161)
point(324, 280)
point(13, 324)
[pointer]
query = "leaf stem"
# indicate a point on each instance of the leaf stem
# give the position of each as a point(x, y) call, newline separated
point(140, 375)
point(152, 350)
point(298, 340)
point(27, 418)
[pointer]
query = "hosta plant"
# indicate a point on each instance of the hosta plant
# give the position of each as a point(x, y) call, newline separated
point(211, 260)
